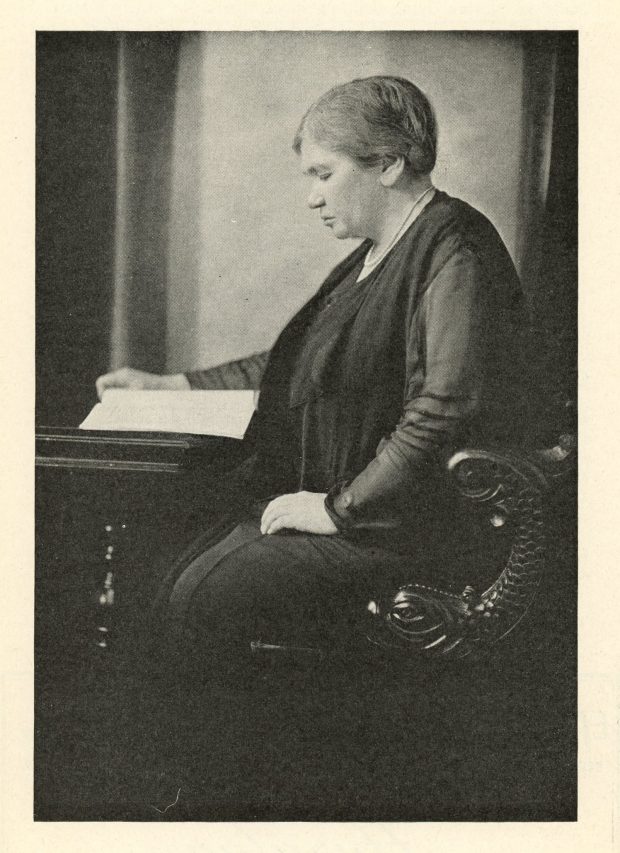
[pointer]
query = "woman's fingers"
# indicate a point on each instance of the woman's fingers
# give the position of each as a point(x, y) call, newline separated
point(282, 522)
point(108, 380)
point(121, 378)
point(140, 380)
point(276, 508)
point(302, 511)
point(127, 377)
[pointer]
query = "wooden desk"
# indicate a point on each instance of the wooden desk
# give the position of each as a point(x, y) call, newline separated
point(113, 510)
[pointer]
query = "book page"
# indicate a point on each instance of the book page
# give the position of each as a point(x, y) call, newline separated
point(222, 413)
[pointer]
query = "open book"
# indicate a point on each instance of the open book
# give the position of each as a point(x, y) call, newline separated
point(225, 413)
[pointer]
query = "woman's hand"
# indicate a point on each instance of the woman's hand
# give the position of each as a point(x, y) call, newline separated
point(303, 511)
point(139, 380)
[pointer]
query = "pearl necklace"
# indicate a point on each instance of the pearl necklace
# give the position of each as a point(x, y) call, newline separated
point(370, 262)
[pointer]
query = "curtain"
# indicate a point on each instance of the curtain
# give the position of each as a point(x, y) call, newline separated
point(556, 291)
point(550, 250)
point(76, 109)
point(145, 126)
point(539, 93)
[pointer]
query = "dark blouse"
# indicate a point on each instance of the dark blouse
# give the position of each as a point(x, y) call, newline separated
point(374, 382)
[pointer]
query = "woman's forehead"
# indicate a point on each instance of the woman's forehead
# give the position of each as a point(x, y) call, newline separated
point(315, 158)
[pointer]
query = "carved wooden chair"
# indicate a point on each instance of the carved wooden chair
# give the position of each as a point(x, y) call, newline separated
point(512, 489)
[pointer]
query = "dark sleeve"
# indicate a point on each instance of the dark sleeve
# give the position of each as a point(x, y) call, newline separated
point(244, 373)
point(448, 337)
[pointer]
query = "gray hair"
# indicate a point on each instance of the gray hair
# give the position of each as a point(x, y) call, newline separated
point(374, 119)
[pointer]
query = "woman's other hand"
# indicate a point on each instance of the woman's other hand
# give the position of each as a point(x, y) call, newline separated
point(139, 380)
point(303, 511)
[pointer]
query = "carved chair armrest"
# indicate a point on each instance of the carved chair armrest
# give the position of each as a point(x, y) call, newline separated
point(510, 485)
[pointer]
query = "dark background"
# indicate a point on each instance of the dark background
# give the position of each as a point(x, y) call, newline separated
point(75, 218)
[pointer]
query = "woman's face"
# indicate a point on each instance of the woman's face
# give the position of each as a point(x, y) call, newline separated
point(349, 198)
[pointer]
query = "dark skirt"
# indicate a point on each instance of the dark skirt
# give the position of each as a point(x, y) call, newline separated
point(289, 588)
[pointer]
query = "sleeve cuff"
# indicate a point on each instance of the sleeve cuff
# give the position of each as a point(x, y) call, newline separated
point(202, 380)
point(338, 503)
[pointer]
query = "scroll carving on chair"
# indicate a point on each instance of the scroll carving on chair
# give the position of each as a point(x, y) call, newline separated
point(511, 487)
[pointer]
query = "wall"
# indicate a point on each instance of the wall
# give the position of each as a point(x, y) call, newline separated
point(245, 251)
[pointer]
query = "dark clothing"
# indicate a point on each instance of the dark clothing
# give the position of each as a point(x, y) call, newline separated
point(415, 360)
point(374, 383)
point(293, 588)
point(243, 374)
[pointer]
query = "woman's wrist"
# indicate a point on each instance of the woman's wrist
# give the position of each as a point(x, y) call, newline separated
point(342, 521)
point(174, 382)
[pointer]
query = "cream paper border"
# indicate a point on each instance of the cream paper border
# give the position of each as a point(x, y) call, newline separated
point(599, 363)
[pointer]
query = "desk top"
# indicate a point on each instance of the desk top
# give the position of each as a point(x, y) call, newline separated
point(157, 452)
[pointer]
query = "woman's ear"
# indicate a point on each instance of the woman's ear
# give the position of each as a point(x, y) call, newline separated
point(391, 170)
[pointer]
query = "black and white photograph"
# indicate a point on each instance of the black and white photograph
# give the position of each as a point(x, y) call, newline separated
point(306, 426)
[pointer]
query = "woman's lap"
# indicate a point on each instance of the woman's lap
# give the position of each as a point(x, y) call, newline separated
point(284, 588)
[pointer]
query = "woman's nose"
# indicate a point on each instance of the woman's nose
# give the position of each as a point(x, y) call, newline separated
point(315, 199)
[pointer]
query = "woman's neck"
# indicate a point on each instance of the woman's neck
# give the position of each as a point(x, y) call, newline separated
point(399, 204)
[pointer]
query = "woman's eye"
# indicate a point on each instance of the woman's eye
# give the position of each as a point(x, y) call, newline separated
point(325, 177)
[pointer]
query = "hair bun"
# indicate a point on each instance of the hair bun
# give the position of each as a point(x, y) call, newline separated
point(421, 159)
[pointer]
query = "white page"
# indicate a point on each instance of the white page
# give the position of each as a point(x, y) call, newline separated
point(224, 413)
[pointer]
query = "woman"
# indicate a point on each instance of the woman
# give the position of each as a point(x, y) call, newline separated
point(409, 349)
